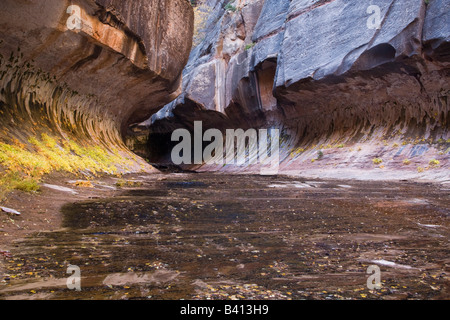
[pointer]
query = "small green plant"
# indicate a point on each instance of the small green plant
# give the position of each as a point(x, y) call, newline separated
point(249, 46)
point(297, 151)
point(434, 162)
point(120, 183)
point(230, 7)
point(319, 155)
point(27, 185)
point(83, 184)
point(340, 146)
point(377, 161)
point(127, 183)
point(15, 181)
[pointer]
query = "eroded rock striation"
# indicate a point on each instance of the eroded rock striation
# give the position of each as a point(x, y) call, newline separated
point(88, 69)
point(353, 80)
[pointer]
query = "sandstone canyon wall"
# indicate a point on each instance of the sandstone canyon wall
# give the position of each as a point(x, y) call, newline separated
point(75, 74)
point(345, 93)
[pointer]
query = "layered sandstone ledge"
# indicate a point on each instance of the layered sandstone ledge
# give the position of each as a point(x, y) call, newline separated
point(344, 95)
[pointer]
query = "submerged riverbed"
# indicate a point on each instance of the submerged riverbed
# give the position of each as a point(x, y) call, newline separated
point(216, 236)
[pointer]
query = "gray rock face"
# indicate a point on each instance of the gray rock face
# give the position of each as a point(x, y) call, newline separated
point(333, 38)
point(436, 32)
point(322, 70)
point(272, 18)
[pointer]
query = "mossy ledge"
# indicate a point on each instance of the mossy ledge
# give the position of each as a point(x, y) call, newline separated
point(44, 129)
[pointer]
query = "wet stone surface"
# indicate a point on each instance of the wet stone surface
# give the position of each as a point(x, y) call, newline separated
point(206, 236)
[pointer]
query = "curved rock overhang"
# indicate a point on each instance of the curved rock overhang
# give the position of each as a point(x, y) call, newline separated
point(87, 69)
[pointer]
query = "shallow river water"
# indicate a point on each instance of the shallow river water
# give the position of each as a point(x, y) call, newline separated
point(215, 236)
